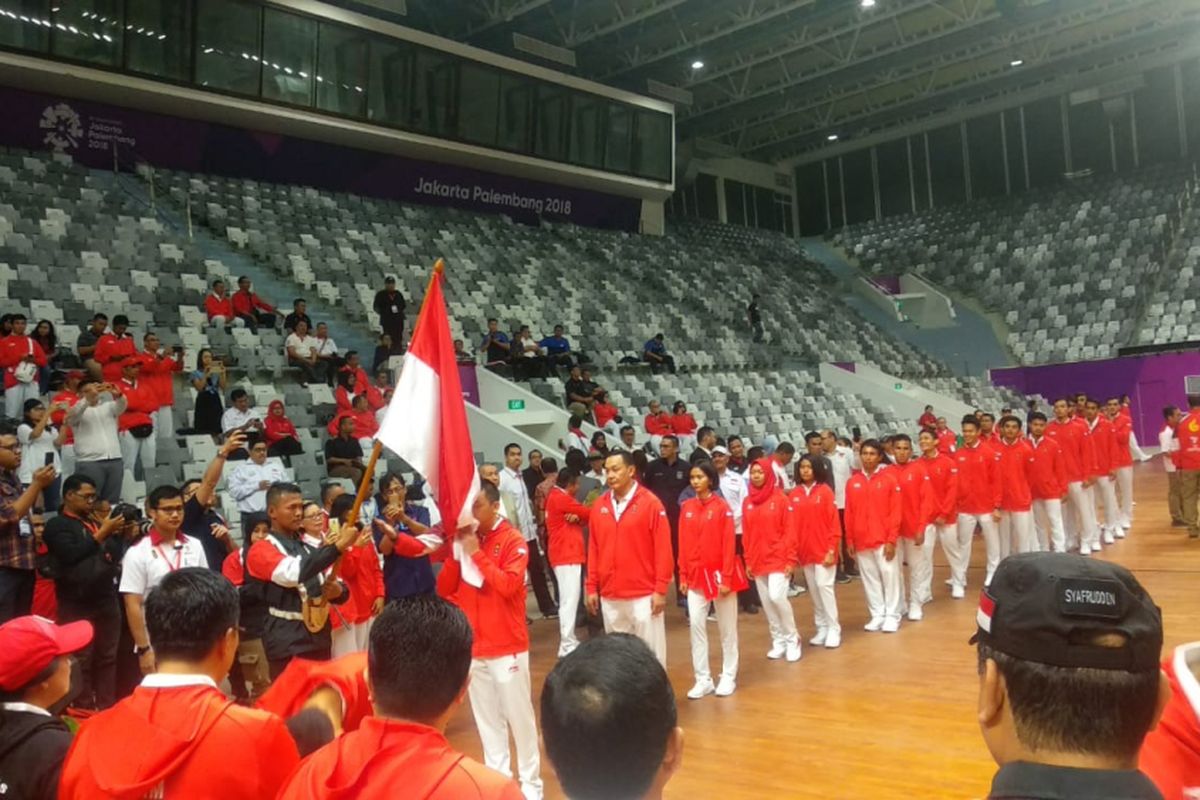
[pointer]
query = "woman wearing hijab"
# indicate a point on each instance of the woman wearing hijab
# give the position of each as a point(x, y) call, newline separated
point(251, 665)
point(279, 432)
point(769, 547)
point(708, 573)
point(817, 537)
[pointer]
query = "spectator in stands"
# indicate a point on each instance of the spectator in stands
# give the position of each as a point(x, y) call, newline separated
point(22, 358)
point(16, 546)
point(628, 441)
point(249, 481)
point(114, 347)
point(528, 360)
point(654, 352)
point(192, 618)
point(927, 419)
point(40, 442)
point(139, 445)
point(400, 519)
point(684, 426)
point(298, 314)
point(343, 397)
point(158, 373)
point(343, 453)
point(301, 352)
point(93, 422)
point(1069, 677)
point(705, 440)
point(326, 350)
point(65, 396)
point(279, 432)
point(461, 356)
point(657, 424)
point(579, 394)
point(628, 744)
point(201, 520)
point(361, 381)
point(383, 352)
point(47, 339)
point(389, 305)
point(365, 424)
point(35, 688)
point(576, 438)
point(219, 306)
point(606, 415)
point(241, 417)
point(209, 380)
point(754, 316)
point(495, 346)
point(251, 309)
point(600, 443)
point(85, 344)
point(558, 349)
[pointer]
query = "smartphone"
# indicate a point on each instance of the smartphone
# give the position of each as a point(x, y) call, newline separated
point(177, 349)
point(49, 459)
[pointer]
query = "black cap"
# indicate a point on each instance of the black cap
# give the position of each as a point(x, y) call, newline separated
point(1045, 607)
point(389, 279)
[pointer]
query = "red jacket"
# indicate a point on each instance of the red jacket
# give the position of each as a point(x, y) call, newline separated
point(658, 424)
point(1122, 427)
point(111, 351)
point(346, 675)
point(142, 402)
point(564, 539)
point(1170, 754)
point(1101, 444)
point(496, 610)
point(1013, 464)
point(363, 577)
point(707, 545)
point(916, 501)
point(604, 413)
point(873, 509)
point(631, 557)
point(927, 420)
point(683, 423)
point(1069, 437)
point(60, 417)
point(943, 488)
point(947, 440)
point(769, 535)
point(978, 479)
point(1187, 433)
point(1047, 470)
point(815, 522)
point(158, 375)
point(14, 350)
point(218, 307)
point(244, 303)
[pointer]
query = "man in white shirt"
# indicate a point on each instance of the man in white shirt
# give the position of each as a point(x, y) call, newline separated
point(1169, 446)
point(781, 459)
point(248, 481)
point(326, 349)
point(843, 462)
point(160, 552)
point(93, 420)
point(301, 352)
point(512, 483)
point(628, 441)
point(241, 417)
point(735, 490)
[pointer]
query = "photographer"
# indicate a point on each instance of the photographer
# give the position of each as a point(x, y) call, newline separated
point(84, 558)
point(97, 443)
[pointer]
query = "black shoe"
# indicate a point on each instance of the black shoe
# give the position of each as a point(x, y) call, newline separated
point(1178, 523)
point(844, 579)
point(551, 615)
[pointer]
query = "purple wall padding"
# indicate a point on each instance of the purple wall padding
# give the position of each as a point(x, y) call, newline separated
point(846, 365)
point(1151, 381)
point(470, 383)
point(888, 283)
point(86, 130)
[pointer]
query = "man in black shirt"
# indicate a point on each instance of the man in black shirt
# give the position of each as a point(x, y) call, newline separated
point(755, 318)
point(666, 478)
point(823, 467)
point(297, 315)
point(1069, 678)
point(495, 345)
point(579, 394)
point(389, 305)
point(343, 454)
point(533, 475)
point(201, 520)
point(706, 440)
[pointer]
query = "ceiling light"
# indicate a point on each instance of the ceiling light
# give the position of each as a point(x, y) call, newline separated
point(697, 64)
point(867, 3)
point(833, 137)
point(1016, 62)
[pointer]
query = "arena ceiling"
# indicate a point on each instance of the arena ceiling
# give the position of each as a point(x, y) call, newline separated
point(779, 78)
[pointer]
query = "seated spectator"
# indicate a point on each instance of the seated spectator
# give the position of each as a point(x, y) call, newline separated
point(251, 309)
point(301, 352)
point(241, 417)
point(35, 687)
point(298, 314)
point(343, 453)
point(343, 395)
point(114, 347)
point(599, 443)
point(249, 481)
point(609, 721)
point(418, 664)
point(365, 426)
point(580, 397)
point(85, 345)
point(606, 415)
point(209, 381)
point(40, 443)
point(327, 349)
point(403, 536)
point(628, 441)
point(219, 307)
point(1069, 678)
point(657, 424)
point(683, 425)
point(47, 339)
point(383, 351)
point(495, 346)
point(654, 352)
point(353, 366)
point(528, 361)
point(189, 737)
point(22, 359)
point(279, 432)
point(576, 438)
point(460, 353)
point(383, 380)
point(558, 349)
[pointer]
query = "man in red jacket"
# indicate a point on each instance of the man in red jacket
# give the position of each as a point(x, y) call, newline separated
point(947, 439)
point(1123, 441)
point(1170, 754)
point(1105, 471)
point(250, 308)
point(1014, 459)
point(114, 347)
point(218, 306)
point(158, 374)
point(486, 579)
point(657, 424)
point(916, 500)
point(873, 518)
point(136, 424)
point(943, 507)
point(978, 505)
point(1070, 433)
point(22, 358)
point(629, 562)
point(1047, 485)
point(1187, 434)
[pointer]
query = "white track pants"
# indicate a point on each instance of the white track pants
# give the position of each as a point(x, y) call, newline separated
point(781, 621)
point(882, 583)
point(991, 540)
point(501, 700)
point(1048, 516)
point(821, 581)
point(569, 587)
point(727, 613)
point(634, 616)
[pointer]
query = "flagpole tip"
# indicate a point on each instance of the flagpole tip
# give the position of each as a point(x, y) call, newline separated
point(439, 266)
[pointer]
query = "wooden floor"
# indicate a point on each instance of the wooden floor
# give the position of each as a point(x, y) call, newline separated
point(883, 716)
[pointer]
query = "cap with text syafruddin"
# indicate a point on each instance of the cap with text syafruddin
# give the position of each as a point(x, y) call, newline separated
point(1051, 607)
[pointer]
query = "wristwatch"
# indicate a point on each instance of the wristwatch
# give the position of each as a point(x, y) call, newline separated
point(141, 651)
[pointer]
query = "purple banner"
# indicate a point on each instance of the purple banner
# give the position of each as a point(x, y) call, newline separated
point(1151, 381)
point(470, 383)
point(86, 131)
point(889, 284)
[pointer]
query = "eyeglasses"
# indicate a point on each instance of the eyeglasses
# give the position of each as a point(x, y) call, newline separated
point(171, 511)
point(317, 515)
point(13, 448)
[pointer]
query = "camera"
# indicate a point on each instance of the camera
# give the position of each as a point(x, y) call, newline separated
point(130, 512)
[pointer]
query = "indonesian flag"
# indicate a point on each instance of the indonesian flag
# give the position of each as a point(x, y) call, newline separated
point(426, 423)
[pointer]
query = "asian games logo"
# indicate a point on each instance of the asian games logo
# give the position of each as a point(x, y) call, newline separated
point(63, 127)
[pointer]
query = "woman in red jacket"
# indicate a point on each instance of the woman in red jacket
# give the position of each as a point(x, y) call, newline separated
point(565, 518)
point(280, 433)
point(817, 535)
point(708, 573)
point(769, 544)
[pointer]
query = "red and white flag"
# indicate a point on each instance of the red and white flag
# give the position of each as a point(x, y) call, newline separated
point(426, 423)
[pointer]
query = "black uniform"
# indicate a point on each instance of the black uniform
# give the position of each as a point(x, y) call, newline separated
point(32, 749)
point(667, 482)
point(390, 308)
point(1022, 780)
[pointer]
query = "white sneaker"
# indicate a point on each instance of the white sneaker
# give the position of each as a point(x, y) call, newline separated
point(1120, 532)
point(890, 625)
point(834, 639)
point(726, 687)
point(793, 651)
point(1085, 550)
point(819, 639)
point(1108, 536)
point(701, 689)
point(915, 614)
point(875, 624)
point(958, 592)
point(777, 650)
point(795, 591)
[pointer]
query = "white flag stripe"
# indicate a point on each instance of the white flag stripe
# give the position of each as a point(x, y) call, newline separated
point(411, 427)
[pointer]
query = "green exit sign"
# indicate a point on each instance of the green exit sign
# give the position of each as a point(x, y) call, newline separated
point(516, 405)
point(899, 387)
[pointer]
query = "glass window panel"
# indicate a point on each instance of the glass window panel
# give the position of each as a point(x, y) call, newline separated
point(227, 45)
point(735, 203)
point(158, 38)
point(652, 145)
point(551, 122)
point(587, 126)
point(289, 59)
point(478, 103)
point(389, 82)
point(29, 26)
point(516, 100)
point(88, 30)
point(342, 71)
point(617, 142)
point(432, 100)
point(766, 212)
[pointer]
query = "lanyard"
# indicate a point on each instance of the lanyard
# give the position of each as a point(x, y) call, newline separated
point(178, 557)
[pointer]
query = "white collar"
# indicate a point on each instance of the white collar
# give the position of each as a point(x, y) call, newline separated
point(1184, 655)
point(26, 708)
point(164, 680)
point(633, 487)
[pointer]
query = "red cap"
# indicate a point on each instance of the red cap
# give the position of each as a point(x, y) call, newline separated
point(29, 644)
point(133, 361)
